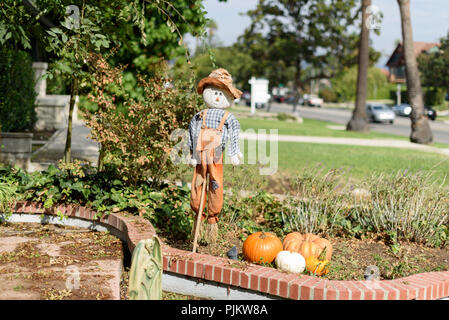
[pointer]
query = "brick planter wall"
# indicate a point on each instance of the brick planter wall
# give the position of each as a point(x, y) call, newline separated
point(424, 286)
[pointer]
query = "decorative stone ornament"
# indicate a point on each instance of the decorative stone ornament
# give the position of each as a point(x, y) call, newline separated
point(145, 276)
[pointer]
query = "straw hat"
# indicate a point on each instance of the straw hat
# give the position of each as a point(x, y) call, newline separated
point(219, 78)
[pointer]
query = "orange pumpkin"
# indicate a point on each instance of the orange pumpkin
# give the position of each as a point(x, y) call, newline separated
point(318, 265)
point(293, 241)
point(261, 247)
point(309, 249)
point(307, 244)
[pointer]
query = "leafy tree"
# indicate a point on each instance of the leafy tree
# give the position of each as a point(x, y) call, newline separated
point(345, 84)
point(17, 91)
point(236, 62)
point(433, 66)
point(287, 36)
point(144, 31)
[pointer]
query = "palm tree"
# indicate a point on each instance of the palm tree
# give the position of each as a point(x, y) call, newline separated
point(421, 132)
point(359, 120)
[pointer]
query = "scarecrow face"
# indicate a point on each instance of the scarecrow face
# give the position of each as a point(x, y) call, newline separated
point(217, 98)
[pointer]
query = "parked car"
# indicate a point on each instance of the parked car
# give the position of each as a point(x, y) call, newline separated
point(380, 113)
point(402, 110)
point(312, 100)
point(405, 110)
point(279, 99)
point(430, 112)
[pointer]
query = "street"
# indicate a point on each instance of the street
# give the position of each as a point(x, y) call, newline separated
point(401, 125)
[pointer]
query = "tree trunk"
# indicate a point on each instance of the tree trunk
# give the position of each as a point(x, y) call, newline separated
point(359, 120)
point(297, 84)
point(421, 132)
point(68, 141)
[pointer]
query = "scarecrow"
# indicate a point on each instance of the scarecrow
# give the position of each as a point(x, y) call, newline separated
point(209, 131)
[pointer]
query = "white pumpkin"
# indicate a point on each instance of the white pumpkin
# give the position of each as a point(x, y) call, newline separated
point(290, 261)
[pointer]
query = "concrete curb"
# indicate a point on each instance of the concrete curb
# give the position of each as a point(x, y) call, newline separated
point(252, 279)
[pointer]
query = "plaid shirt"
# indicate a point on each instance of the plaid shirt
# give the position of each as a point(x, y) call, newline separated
point(231, 129)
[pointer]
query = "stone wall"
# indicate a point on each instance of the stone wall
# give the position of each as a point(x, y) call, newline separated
point(52, 110)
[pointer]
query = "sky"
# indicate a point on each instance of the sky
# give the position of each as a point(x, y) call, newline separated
point(430, 20)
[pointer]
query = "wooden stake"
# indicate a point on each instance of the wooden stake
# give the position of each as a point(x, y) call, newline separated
point(199, 214)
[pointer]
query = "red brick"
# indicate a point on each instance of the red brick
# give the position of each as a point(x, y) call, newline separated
point(165, 262)
point(366, 288)
point(307, 288)
point(226, 277)
point(356, 292)
point(112, 220)
point(421, 286)
point(19, 207)
point(235, 274)
point(28, 207)
point(208, 272)
point(244, 280)
point(199, 272)
point(190, 268)
point(284, 284)
point(393, 292)
point(255, 278)
point(319, 290)
point(406, 292)
point(295, 289)
point(182, 269)
point(341, 292)
point(212, 271)
point(446, 289)
point(273, 286)
point(265, 278)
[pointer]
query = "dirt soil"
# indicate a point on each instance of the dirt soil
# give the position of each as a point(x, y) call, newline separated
point(50, 262)
point(350, 256)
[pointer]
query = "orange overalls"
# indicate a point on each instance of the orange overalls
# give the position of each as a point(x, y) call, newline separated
point(208, 140)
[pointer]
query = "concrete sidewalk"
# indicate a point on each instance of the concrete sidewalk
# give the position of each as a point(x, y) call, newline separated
point(392, 143)
point(83, 148)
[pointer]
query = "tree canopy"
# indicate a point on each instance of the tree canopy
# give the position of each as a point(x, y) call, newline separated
point(287, 36)
point(434, 66)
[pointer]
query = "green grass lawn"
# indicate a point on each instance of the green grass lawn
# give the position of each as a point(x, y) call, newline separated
point(358, 162)
point(310, 127)
point(362, 161)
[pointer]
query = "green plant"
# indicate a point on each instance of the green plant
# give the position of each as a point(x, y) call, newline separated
point(406, 206)
point(139, 141)
point(434, 96)
point(328, 94)
point(17, 88)
point(284, 116)
point(317, 203)
point(7, 197)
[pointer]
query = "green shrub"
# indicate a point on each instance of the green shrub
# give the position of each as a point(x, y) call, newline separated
point(434, 96)
point(284, 116)
point(138, 139)
point(328, 95)
point(404, 95)
point(345, 84)
point(17, 91)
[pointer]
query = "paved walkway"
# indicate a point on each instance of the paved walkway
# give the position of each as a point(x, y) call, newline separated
point(49, 262)
point(83, 148)
point(403, 144)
